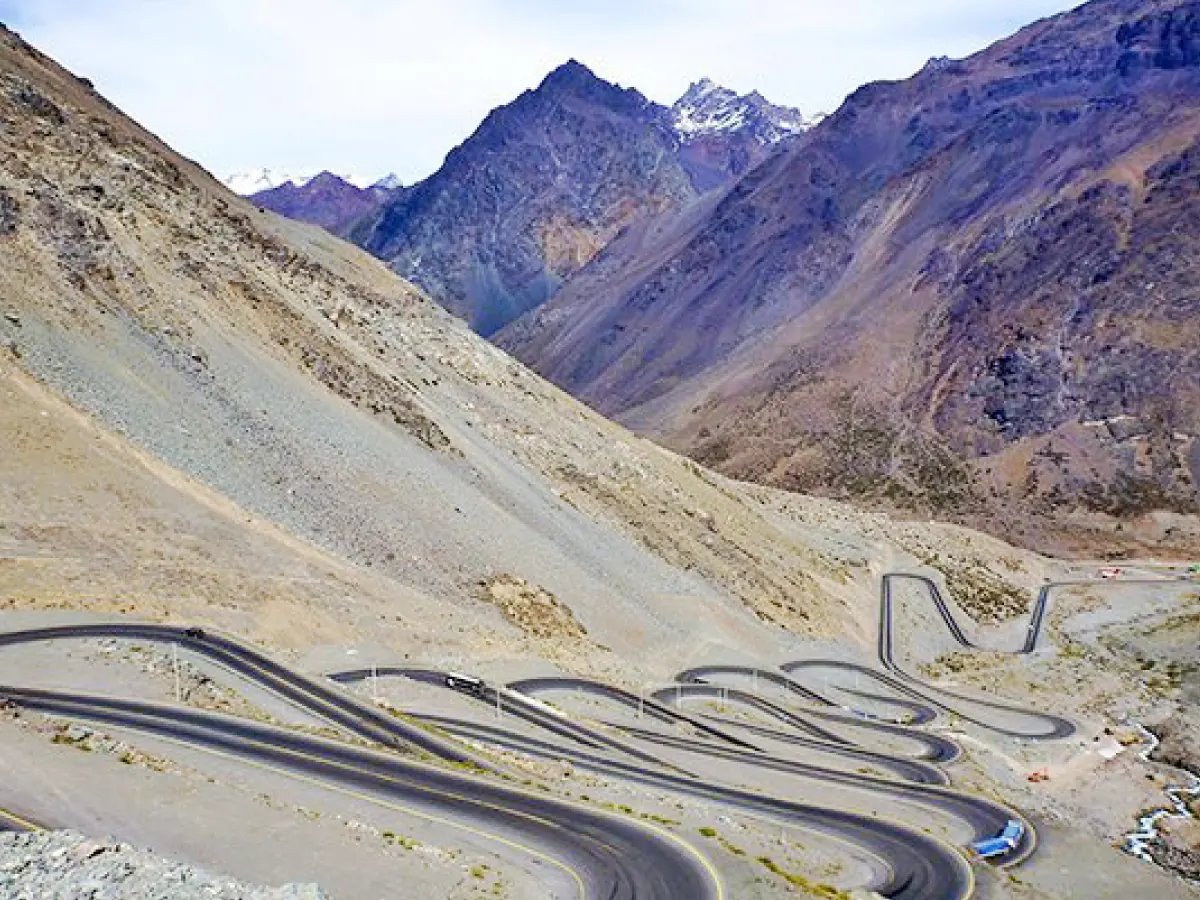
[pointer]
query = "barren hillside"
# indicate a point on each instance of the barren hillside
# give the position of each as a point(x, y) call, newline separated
point(212, 412)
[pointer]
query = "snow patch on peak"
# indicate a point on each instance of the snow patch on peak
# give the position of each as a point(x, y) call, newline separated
point(707, 108)
point(389, 182)
point(704, 86)
point(265, 178)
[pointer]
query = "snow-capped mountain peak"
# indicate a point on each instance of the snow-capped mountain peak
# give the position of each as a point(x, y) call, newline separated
point(707, 108)
point(264, 179)
point(389, 182)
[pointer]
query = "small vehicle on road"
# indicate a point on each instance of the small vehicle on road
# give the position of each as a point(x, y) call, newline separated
point(196, 634)
point(1002, 844)
point(1111, 572)
point(468, 684)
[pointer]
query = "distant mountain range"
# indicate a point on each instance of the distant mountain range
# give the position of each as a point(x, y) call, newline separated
point(328, 200)
point(723, 135)
point(263, 179)
point(542, 186)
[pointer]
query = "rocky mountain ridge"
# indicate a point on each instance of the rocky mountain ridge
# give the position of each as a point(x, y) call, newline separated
point(723, 135)
point(707, 108)
point(527, 200)
point(544, 184)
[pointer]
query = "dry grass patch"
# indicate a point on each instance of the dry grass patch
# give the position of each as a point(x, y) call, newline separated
point(531, 608)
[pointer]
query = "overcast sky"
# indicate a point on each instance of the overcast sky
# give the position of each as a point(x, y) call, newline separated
point(366, 87)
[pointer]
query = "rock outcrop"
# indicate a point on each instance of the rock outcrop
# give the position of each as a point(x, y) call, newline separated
point(66, 864)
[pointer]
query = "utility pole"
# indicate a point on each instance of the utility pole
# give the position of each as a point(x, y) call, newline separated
point(641, 701)
point(175, 666)
point(499, 711)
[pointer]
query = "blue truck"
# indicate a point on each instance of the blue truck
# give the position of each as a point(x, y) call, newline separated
point(1002, 844)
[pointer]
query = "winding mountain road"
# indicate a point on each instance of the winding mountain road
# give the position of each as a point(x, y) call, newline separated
point(314, 695)
point(595, 854)
point(923, 787)
point(600, 855)
point(585, 852)
point(1056, 728)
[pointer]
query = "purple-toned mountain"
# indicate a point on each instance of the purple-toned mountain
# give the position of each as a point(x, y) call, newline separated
point(531, 196)
point(973, 291)
point(327, 200)
point(550, 179)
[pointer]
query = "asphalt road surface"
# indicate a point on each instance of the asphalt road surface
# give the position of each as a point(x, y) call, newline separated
point(923, 787)
point(315, 695)
point(10, 821)
point(602, 855)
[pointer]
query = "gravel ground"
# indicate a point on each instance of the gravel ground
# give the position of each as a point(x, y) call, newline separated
point(63, 864)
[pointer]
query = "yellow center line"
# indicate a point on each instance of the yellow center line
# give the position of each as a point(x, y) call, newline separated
point(17, 820)
point(387, 804)
point(688, 848)
point(536, 854)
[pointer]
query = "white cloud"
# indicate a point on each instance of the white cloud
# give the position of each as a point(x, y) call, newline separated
point(371, 86)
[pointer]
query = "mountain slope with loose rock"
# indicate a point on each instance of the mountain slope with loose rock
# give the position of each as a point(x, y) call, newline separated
point(216, 414)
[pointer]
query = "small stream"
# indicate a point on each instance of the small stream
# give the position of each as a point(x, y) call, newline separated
point(1138, 842)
